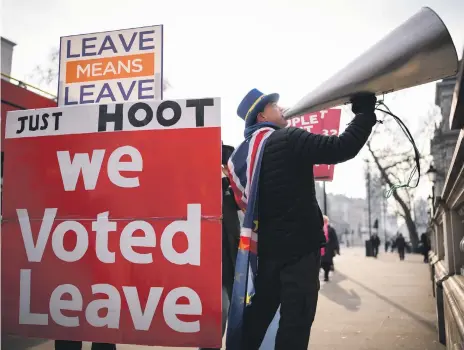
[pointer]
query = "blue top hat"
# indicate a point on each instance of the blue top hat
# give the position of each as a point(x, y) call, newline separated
point(254, 103)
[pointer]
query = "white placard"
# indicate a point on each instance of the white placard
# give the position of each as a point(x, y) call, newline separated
point(129, 116)
point(108, 67)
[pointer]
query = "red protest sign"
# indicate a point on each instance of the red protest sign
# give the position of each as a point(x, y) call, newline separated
point(114, 236)
point(326, 122)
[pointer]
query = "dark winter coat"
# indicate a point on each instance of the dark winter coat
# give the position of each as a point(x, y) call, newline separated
point(375, 241)
point(424, 244)
point(290, 220)
point(400, 243)
point(332, 246)
point(230, 236)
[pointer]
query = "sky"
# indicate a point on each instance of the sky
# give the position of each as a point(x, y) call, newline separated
point(223, 49)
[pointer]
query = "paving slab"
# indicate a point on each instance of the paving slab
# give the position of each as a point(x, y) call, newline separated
point(369, 304)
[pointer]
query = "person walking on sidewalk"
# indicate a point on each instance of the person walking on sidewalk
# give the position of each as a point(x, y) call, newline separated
point(335, 245)
point(330, 249)
point(273, 170)
point(425, 247)
point(375, 240)
point(400, 245)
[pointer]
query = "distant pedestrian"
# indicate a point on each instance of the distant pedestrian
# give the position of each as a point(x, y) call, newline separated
point(330, 249)
point(375, 241)
point(325, 259)
point(387, 245)
point(400, 245)
point(425, 247)
point(335, 244)
point(393, 244)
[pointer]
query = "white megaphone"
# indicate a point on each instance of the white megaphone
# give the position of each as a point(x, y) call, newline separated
point(417, 52)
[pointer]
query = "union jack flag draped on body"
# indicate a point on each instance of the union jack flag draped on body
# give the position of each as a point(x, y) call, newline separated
point(244, 168)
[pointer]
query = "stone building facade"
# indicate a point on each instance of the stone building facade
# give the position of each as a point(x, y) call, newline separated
point(446, 227)
point(6, 55)
point(444, 139)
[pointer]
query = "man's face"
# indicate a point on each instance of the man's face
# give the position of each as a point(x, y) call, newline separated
point(274, 114)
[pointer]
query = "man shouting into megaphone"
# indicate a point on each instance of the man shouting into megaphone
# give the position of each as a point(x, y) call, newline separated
point(271, 174)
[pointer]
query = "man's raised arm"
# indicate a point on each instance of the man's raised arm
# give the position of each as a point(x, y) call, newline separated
point(320, 149)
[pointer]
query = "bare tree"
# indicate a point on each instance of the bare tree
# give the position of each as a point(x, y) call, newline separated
point(394, 160)
point(48, 73)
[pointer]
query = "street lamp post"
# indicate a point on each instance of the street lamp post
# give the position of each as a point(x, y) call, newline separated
point(368, 183)
point(461, 247)
point(325, 198)
point(384, 207)
point(432, 174)
point(430, 211)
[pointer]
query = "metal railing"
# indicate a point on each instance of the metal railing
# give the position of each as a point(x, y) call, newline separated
point(26, 85)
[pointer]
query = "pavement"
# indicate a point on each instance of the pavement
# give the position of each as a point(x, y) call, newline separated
point(369, 304)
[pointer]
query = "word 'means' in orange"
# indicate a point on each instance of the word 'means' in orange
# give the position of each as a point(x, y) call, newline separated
point(118, 67)
point(96, 69)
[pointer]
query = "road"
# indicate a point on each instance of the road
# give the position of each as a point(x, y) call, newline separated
point(369, 304)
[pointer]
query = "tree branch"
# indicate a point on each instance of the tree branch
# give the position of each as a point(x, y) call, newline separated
point(395, 164)
point(384, 175)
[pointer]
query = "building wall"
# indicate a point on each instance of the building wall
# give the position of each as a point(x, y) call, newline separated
point(446, 226)
point(443, 99)
point(7, 55)
point(444, 140)
point(346, 214)
point(350, 215)
point(15, 97)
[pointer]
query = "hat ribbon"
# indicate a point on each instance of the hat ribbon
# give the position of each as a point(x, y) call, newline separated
point(254, 105)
